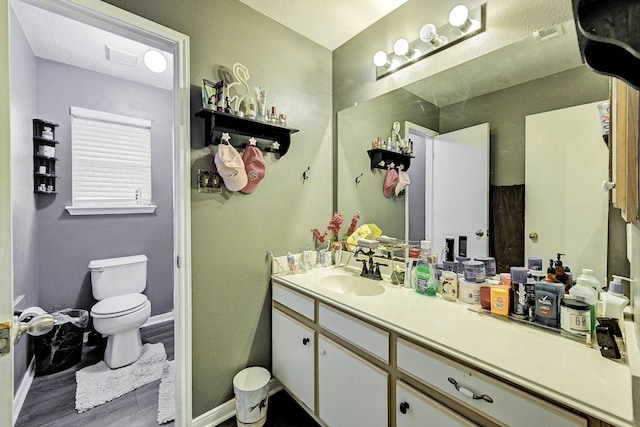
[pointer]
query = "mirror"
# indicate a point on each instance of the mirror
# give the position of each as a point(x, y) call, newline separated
point(502, 88)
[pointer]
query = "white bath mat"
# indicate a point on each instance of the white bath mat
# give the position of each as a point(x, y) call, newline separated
point(166, 395)
point(98, 384)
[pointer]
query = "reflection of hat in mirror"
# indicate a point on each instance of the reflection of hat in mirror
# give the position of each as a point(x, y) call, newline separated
point(230, 167)
point(403, 181)
point(254, 166)
point(390, 182)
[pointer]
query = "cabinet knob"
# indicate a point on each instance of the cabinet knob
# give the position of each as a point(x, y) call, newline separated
point(305, 341)
point(533, 235)
point(403, 407)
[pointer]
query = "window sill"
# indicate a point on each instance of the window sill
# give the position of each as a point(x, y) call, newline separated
point(110, 210)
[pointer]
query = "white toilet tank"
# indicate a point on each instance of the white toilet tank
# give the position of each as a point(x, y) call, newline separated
point(118, 276)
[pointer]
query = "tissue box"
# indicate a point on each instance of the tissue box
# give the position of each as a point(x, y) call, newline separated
point(47, 150)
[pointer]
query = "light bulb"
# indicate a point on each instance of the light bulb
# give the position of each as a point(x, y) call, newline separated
point(401, 47)
point(380, 59)
point(459, 17)
point(428, 34)
point(155, 61)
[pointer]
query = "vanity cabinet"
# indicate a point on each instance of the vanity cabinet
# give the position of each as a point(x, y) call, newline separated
point(414, 409)
point(361, 372)
point(351, 391)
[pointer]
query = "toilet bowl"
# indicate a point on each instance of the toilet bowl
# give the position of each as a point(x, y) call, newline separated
point(117, 284)
point(120, 319)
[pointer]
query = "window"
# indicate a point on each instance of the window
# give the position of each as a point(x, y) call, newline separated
point(111, 162)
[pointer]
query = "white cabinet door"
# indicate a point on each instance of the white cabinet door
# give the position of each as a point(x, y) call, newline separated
point(293, 349)
point(565, 164)
point(459, 205)
point(414, 409)
point(351, 391)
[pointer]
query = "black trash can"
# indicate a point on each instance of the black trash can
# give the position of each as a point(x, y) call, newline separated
point(61, 348)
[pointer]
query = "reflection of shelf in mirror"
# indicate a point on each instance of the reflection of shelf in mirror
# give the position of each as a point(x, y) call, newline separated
point(44, 141)
point(46, 192)
point(378, 155)
point(47, 175)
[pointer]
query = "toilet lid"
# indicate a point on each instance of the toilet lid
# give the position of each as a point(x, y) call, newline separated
point(119, 305)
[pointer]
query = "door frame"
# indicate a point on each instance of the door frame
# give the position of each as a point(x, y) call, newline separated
point(100, 14)
point(429, 134)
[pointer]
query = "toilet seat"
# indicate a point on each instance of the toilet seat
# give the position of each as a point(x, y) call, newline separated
point(119, 306)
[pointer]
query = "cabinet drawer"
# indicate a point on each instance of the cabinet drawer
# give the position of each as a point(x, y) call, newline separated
point(509, 405)
point(364, 335)
point(414, 409)
point(294, 300)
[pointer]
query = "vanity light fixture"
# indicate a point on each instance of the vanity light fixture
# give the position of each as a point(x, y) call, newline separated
point(462, 24)
point(155, 61)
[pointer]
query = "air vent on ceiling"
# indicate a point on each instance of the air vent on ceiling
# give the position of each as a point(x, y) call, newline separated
point(548, 33)
point(121, 57)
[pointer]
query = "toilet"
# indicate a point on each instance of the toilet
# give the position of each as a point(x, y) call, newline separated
point(117, 284)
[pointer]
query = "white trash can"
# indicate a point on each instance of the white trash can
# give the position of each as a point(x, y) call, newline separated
point(251, 387)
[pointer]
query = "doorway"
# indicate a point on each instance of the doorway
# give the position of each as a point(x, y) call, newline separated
point(108, 18)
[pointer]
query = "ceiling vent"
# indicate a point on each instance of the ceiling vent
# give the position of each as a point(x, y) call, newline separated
point(548, 33)
point(121, 57)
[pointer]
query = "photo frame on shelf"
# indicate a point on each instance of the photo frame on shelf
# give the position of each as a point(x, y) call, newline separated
point(211, 94)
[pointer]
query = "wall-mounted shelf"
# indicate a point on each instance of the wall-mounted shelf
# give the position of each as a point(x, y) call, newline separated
point(378, 155)
point(217, 122)
point(44, 159)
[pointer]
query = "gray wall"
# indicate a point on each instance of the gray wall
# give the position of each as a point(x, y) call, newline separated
point(67, 243)
point(505, 110)
point(25, 243)
point(232, 232)
point(357, 127)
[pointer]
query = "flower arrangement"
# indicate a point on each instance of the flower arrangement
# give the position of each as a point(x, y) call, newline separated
point(333, 229)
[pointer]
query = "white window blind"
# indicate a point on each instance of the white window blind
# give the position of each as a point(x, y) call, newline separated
point(111, 159)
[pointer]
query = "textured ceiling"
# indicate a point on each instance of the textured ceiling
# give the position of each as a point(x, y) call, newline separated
point(329, 23)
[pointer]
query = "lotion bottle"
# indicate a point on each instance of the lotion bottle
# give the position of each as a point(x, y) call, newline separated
point(585, 292)
point(614, 301)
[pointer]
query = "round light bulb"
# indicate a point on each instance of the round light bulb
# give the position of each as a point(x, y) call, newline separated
point(401, 47)
point(380, 58)
point(155, 61)
point(459, 15)
point(428, 33)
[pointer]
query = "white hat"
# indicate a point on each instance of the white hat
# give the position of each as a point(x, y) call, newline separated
point(403, 181)
point(230, 167)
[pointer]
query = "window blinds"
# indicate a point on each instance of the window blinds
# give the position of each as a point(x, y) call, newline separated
point(111, 156)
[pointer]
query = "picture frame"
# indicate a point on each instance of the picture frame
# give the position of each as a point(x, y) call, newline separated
point(211, 94)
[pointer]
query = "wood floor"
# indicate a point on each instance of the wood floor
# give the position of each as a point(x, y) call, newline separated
point(51, 398)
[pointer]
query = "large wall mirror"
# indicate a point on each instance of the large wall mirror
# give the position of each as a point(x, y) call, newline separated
point(509, 89)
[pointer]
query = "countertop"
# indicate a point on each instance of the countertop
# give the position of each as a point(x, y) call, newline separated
point(559, 368)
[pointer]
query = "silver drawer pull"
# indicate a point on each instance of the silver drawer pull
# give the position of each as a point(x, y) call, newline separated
point(468, 393)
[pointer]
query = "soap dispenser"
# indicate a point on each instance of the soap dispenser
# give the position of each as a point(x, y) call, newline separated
point(614, 301)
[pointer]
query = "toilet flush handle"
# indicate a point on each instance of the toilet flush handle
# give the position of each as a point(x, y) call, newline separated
point(97, 270)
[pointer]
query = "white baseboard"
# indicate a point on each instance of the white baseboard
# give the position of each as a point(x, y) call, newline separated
point(21, 394)
point(222, 413)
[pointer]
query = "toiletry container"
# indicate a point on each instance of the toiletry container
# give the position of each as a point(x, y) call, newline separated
point(489, 265)
point(589, 279)
point(425, 271)
point(449, 285)
point(500, 300)
point(575, 317)
point(519, 286)
point(614, 301)
point(583, 291)
point(117, 284)
point(474, 271)
point(547, 303)
point(469, 292)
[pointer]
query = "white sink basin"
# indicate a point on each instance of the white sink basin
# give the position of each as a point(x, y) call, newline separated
point(350, 285)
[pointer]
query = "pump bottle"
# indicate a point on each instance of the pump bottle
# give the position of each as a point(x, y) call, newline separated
point(614, 301)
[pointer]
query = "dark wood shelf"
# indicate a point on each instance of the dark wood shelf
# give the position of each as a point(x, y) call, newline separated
point(378, 155)
point(44, 183)
point(217, 122)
